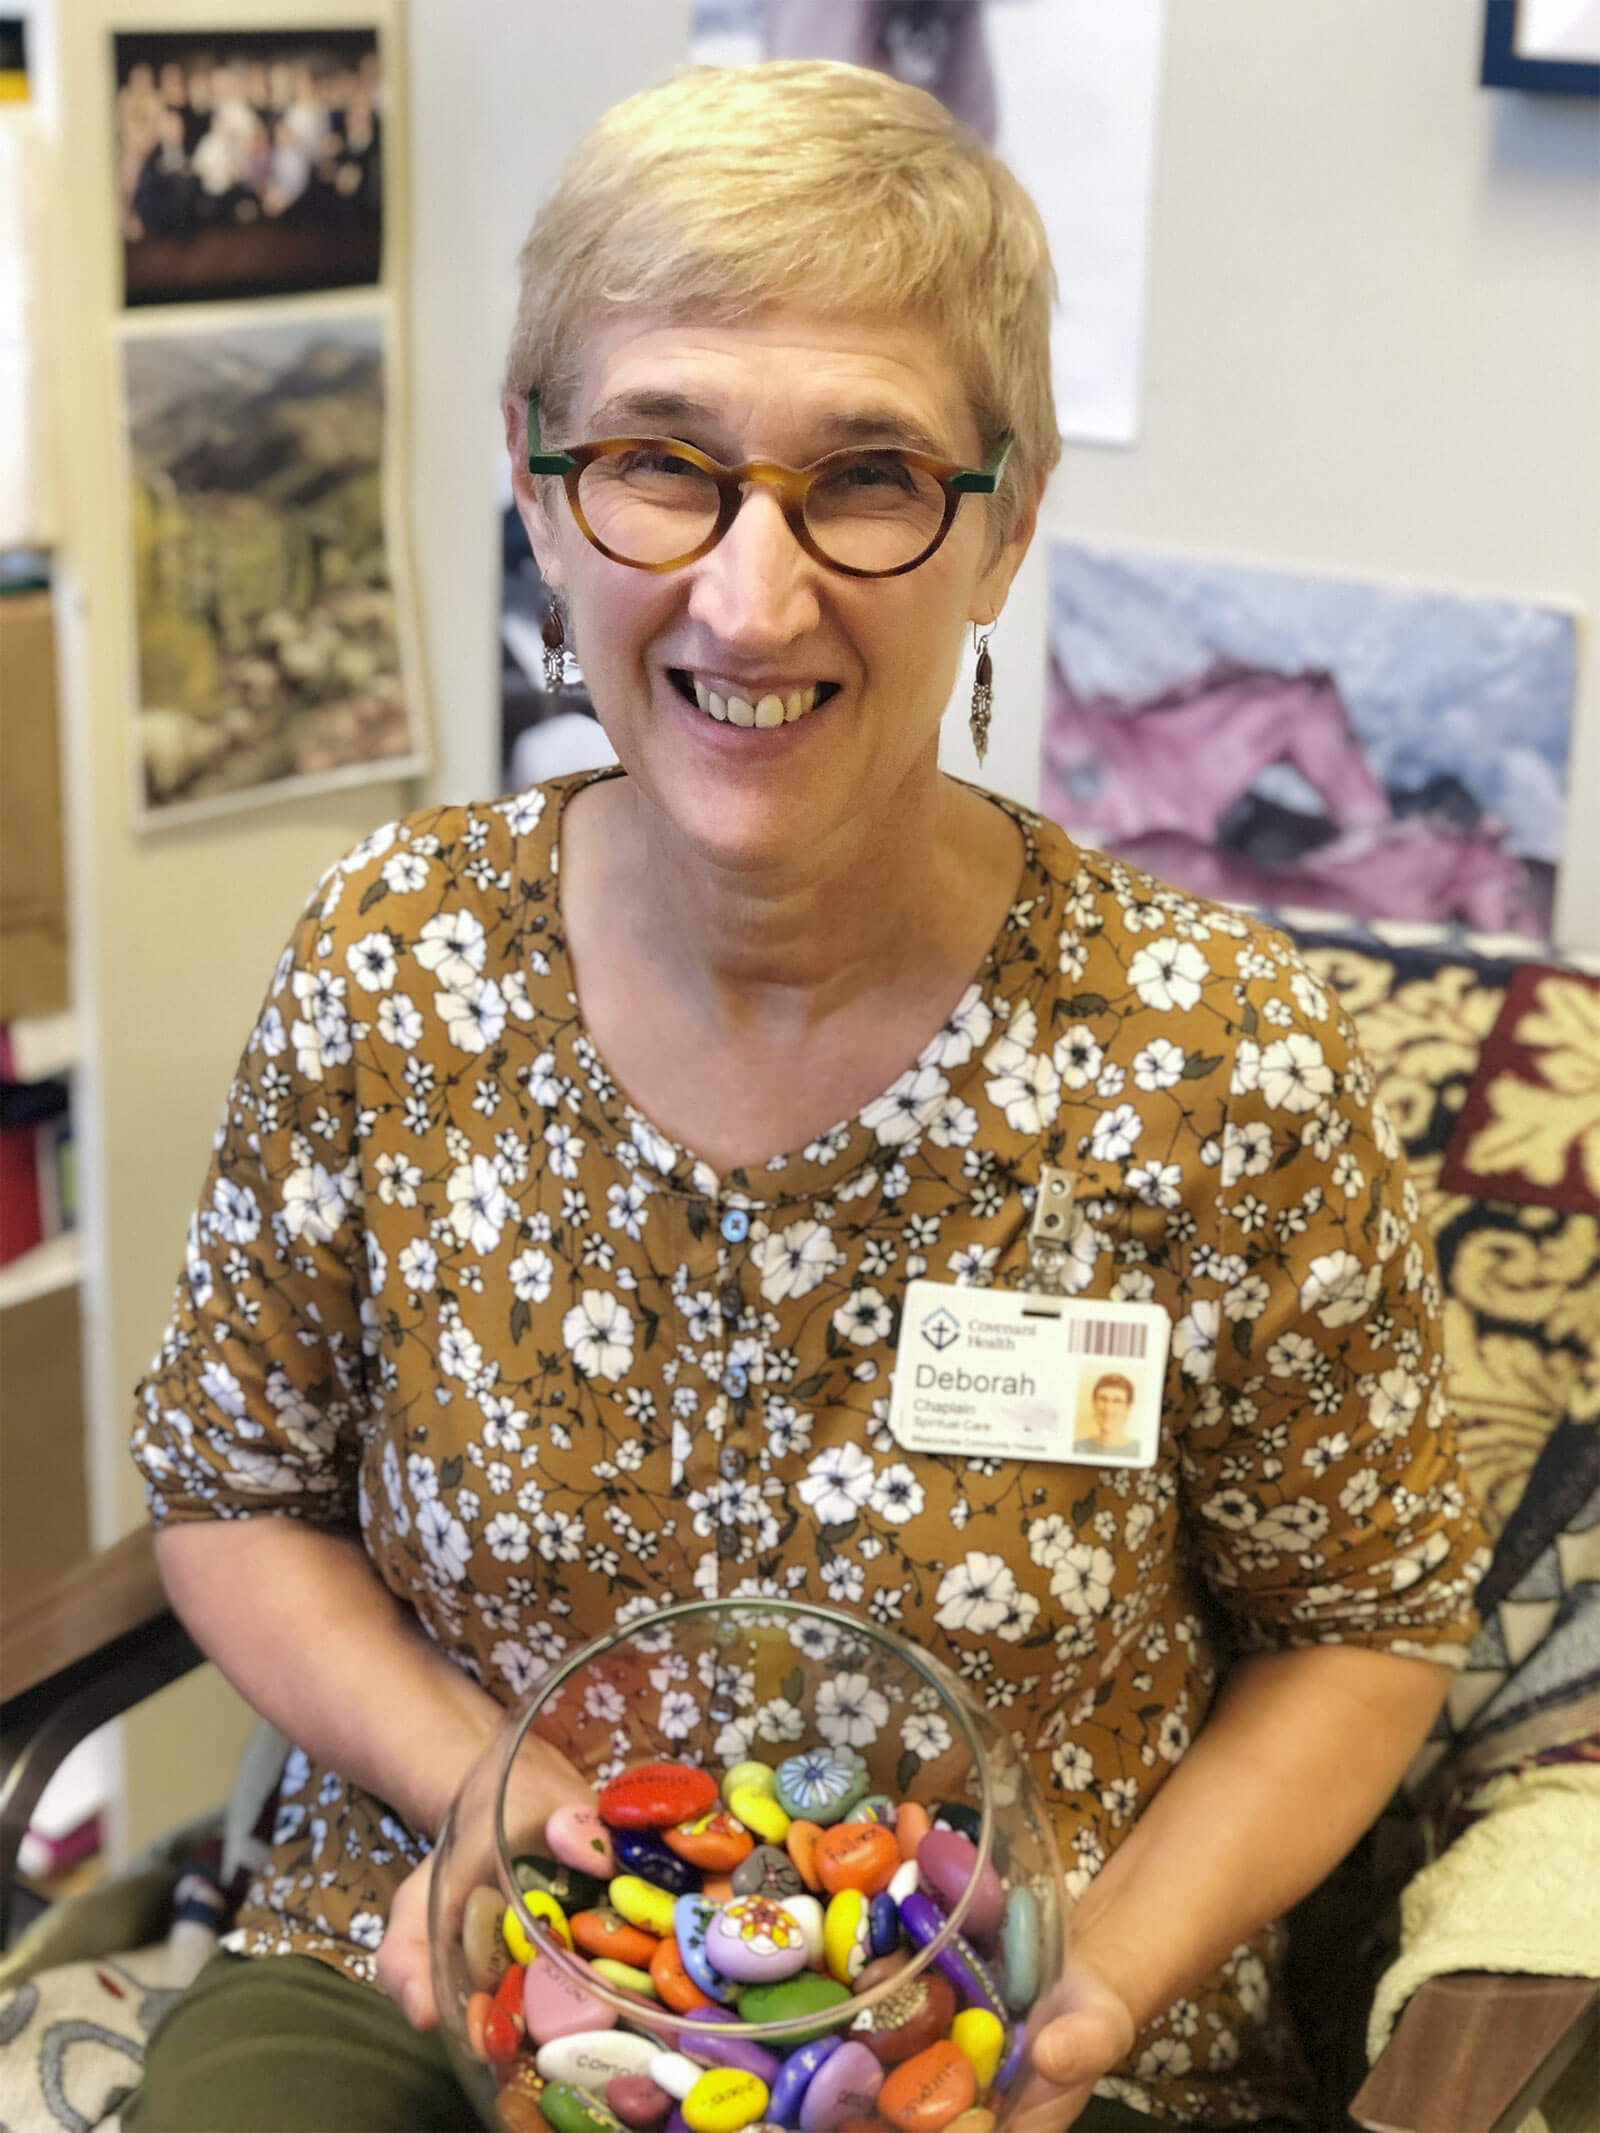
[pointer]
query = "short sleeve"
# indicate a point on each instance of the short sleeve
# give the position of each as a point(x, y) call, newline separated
point(255, 1400)
point(1321, 1471)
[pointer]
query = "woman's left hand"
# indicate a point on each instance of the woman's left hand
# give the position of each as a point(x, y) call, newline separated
point(1082, 2030)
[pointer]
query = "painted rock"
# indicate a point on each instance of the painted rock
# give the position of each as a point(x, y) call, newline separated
point(715, 1843)
point(573, 2110)
point(957, 1960)
point(624, 1977)
point(982, 2036)
point(766, 1871)
point(876, 1807)
point(606, 1932)
point(911, 1824)
point(675, 2073)
point(757, 1777)
point(655, 1795)
point(800, 1842)
point(580, 1840)
point(1019, 1950)
point(589, 2058)
point(635, 2099)
point(705, 2043)
point(718, 1888)
point(642, 1904)
point(556, 2005)
point(539, 1905)
point(923, 2095)
point(846, 2086)
point(907, 2020)
point(479, 2007)
point(957, 1814)
point(724, 2100)
point(641, 1852)
point(847, 1935)
point(822, 1785)
point(806, 1993)
point(755, 1941)
point(674, 1986)
point(977, 2120)
point(1011, 2058)
point(692, 1918)
point(571, 1888)
point(795, 2076)
point(883, 1921)
point(881, 1969)
point(947, 1863)
point(905, 1880)
point(860, 1855)
point(518, 2097)
point(766, 1817)
point(808, 1916)
point(481, 1942)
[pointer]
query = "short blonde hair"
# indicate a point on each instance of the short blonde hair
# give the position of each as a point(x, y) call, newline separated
point(728, 191)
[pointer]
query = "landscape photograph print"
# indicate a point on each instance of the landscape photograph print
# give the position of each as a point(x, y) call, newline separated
point(269, 633)
point(1273, 739)
point(248, 164)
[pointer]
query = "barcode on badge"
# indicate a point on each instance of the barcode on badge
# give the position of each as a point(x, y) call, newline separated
point(1119, 1337)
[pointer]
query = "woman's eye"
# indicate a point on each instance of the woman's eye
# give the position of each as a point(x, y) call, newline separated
point(656, 461)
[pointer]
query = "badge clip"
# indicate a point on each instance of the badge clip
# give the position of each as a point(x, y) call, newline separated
point(1050, 1230)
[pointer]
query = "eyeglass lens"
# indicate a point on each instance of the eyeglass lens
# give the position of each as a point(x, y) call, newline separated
point(873, 512)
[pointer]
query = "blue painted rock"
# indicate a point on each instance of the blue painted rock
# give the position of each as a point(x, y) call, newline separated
point(638, 1852)
point(883, 1918)
point(795, 2077)
point(691, 1921)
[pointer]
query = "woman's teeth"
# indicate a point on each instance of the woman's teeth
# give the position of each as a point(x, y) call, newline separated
point(770, 710)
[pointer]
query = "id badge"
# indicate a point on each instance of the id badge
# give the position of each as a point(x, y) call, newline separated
point(1017, 1374)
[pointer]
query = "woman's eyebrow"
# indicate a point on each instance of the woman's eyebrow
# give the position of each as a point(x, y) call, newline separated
point(656, 412)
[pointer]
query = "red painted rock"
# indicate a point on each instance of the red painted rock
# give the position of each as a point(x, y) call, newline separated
point(946, 1863)
point(714, 1842)
point(857, 1855)
point(636, 2100)
point(924, 2094)
point(907, 2020)
point(656, 1795)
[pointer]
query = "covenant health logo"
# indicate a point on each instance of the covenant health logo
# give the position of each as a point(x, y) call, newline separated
point(940, 1328)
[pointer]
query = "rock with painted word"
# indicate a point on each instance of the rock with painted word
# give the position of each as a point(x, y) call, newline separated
point(724, 2100)
point(580, 1840)
point(554, 2004)
point(923, 2095)
point(481, 1941)
point(589, 2058)
point(845, 2087)
point(656, 1795)
point(821, 1785)
point(858, 1855)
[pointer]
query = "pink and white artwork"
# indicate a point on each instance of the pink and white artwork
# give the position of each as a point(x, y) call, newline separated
point(1280, 740)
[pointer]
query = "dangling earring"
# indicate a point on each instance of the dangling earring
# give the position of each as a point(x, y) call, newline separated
point(982, 691)
point(554, 633)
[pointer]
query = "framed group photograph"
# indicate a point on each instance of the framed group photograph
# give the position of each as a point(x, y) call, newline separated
point(1550, 46)
point(248, 163)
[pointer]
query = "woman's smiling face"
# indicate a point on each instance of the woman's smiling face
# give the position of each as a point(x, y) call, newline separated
point(757, 617)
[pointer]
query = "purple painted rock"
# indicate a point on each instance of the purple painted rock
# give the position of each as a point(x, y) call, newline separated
point(727, 2051)
point(636, 2100)
point(577, 1837)
point(655, 1795)
point(556, 2005)
point(755, 1941)
point(947, 1862)
point(798, 2072)
point(845, 2087)
point(958, 1961)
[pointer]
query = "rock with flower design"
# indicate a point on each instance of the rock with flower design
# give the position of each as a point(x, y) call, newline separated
point(821, 1785)
point(755, 1941)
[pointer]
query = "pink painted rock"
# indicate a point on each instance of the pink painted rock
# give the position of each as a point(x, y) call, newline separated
point(655, 1795)
point(945, 1864)
point(555, 2005)
point(636, 2100)
point(577, 1837)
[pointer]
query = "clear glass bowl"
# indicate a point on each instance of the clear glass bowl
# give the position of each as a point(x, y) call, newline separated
point(714, 1684)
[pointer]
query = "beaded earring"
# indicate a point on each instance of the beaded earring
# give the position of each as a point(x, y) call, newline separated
point(554, 634)
point(982, 691)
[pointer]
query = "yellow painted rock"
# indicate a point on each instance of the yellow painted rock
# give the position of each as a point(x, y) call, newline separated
point(760, 1814)
point(642, 1904)
point(982, 2036)
point(724, 2100)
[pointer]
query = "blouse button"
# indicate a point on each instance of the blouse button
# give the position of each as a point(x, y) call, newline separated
point(736, 1381)
point(736, 1225)
point(727, 1541)
point(732, 1462)
point(731, 1301)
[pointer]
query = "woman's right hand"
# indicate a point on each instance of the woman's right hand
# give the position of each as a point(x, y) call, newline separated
point(404, 1970)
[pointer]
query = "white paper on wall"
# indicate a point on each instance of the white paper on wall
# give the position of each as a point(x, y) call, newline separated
point(1072, 86)
point(24, 505)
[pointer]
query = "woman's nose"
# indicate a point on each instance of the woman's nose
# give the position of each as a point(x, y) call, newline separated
point(757, 586)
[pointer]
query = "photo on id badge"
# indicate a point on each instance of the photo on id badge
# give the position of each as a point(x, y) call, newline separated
point(1108, 1425)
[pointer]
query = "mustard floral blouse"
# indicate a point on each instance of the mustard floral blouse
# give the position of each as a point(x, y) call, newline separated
point(447, 1285)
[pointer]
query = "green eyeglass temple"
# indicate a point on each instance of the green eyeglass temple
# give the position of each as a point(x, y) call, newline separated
point(970, 481)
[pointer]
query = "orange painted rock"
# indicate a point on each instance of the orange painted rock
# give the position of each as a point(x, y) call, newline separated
point(479, 2007)
point(605, 1933)
point(856, 1855)
point(717, 1888)
point(656, 1796)
point(800, 1841)
point(926, 2093)
point(911, 1825)
point(677, 1988)
point(714, 1842)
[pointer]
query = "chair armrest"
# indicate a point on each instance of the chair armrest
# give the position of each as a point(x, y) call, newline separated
point(1474, 2051)
point(93, 1643)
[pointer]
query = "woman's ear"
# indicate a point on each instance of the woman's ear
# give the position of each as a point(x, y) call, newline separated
point(525, 491)
point(989, 594)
